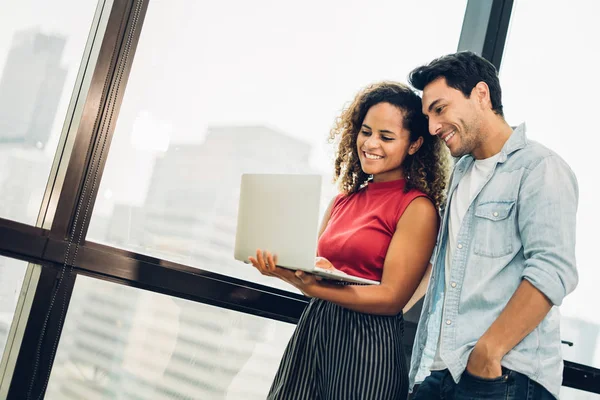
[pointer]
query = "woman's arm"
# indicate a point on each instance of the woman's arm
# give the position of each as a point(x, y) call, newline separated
point(326, 217)
point(404, 266)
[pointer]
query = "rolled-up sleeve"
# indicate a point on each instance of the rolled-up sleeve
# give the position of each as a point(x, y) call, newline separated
point(547, 208)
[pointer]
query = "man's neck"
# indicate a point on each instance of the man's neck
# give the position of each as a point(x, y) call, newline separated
point(496, 132)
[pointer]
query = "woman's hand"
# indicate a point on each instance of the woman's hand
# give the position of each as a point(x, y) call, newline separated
point(266, 264)
point(326, 264)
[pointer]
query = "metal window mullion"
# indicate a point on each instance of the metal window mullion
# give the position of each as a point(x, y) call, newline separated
point(102, 73)
point(485, 28)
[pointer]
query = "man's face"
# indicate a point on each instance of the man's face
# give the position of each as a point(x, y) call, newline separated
point(453, 117)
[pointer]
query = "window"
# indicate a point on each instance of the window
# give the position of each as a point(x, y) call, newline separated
point(220, 89)
point(41, 44)
point(12, 273)
point(126, 343)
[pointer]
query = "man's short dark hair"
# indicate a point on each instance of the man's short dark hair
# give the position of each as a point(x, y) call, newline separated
point(462, 71)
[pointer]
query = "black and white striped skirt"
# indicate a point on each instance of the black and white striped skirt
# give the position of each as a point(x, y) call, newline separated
point(336, 353)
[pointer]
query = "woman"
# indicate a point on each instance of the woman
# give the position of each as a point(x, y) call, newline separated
point(382, 226)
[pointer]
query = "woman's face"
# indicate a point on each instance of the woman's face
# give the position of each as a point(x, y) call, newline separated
point(383, 143)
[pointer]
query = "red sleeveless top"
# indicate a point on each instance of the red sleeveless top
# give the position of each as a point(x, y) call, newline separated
point(361, 227)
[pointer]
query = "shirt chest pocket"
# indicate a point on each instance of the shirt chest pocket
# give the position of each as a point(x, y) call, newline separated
point(494, 229)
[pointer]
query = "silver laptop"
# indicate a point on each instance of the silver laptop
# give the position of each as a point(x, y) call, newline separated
point(280, 213)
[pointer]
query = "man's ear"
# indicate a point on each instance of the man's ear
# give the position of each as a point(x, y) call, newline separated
point(481, 91)
point(415, 146)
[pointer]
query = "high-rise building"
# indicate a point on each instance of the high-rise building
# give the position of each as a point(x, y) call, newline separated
point(190, 211)
point(23, 178)
point(147, 346)
point(12, 273)
point(30, 88)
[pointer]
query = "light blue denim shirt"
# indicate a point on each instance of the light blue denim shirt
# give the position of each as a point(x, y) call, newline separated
point(521, 225)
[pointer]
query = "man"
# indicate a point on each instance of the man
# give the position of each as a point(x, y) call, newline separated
point(505, 256)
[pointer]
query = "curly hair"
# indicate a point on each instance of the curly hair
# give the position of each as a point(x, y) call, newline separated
point(427, 170)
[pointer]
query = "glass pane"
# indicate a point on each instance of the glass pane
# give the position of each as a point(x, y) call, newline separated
point(120, 342)
point(41, 44)
point(218, 89)
point(548, 79)
point(12, 273)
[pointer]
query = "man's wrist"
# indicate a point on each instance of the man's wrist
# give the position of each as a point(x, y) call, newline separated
point(492, 349)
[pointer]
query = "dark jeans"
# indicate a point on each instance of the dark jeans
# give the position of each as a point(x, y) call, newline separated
point(511, 385)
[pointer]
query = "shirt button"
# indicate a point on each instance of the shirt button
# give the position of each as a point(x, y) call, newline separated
point(460, 246)
point(448, 322)
point(453, 284)
point(495, 214)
